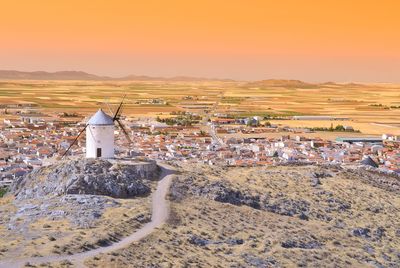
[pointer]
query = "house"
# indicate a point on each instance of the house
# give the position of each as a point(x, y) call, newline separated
point(389, 137)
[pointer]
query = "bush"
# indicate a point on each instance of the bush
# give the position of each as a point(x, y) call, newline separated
point(3, 191)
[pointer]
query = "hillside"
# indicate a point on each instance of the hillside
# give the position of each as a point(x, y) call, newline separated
point(282, 83)
point(283, 216)
point(41, 75)
point(75, 206)
point(271, 216)
point(79, 75)
point(290, 84)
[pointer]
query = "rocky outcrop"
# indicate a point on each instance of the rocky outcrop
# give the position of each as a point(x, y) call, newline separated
point(301, 243)
point(225, 192)
point(87, 176)
point(200, 241)
point(81, 210)
point(323, 206)
point(388, 181)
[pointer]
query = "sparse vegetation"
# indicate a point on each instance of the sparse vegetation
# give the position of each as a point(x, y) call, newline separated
point(216, 222)
point(3, 191)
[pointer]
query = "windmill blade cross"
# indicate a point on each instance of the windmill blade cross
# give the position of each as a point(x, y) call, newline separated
point(72, 144)
point(108, 106)
point(124, 130)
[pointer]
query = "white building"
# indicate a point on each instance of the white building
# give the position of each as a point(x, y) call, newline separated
point(389, 137)
point(100, 136)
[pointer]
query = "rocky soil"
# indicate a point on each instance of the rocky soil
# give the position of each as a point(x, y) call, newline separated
point(283, 216)
point(226, 191)
point(85, 176)
point(74, 206)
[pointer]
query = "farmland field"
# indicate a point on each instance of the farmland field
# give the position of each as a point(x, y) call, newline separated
point(371, 108)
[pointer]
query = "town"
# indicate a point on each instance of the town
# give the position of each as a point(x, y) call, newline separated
point(31, 139)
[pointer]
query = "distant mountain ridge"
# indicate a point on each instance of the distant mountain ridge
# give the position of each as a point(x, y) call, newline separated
point(285, 83)
point(42, 75)
point(82, 76)
point(79, 75)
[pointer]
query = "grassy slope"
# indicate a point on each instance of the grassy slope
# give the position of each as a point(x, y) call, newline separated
point(265, 232)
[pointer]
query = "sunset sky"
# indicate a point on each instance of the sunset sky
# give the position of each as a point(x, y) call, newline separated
point(329, 40)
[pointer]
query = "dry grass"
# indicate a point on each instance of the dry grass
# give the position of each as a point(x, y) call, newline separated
point(47, 236)
point(263, 232)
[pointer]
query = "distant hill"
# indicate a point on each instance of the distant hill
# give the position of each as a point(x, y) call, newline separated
point(41, 75)
point(78, 75)
point(282, 83)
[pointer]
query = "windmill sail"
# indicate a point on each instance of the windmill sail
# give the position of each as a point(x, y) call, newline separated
point(124, 130)
point(117, 112)
point(116, 118)
point(77, 137)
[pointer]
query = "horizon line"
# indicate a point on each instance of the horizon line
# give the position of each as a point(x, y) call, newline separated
point(98, 77)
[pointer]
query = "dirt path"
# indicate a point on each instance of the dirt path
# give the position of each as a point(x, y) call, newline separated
point(160, 213)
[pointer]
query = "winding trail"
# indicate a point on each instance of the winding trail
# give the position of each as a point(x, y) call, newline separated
point(160, 213)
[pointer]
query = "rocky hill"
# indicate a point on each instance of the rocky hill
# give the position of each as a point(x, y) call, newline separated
point(86, 176)
point(270, 216)
point(74, 206)
point(283, 216)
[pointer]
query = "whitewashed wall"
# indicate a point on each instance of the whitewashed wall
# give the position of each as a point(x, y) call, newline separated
point(100, 136)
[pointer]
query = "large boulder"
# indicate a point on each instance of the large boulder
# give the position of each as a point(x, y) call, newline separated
point(87, 176)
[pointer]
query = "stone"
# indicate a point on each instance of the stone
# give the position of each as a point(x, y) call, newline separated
point(86, 176)
point(301, 243)
point(361, 232)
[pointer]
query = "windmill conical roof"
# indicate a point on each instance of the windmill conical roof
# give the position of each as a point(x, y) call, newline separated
point(101, 118)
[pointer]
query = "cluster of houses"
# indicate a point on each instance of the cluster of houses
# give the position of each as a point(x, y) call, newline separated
point(192, 144)
point(29, 141)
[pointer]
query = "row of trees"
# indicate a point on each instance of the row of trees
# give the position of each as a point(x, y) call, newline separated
point(182, 120)
point(339, 128)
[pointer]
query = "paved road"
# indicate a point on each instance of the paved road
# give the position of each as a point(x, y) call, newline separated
point(160, 213)
point(209, 126)
point(384, 125)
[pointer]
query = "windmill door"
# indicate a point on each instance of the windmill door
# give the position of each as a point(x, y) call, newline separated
point(98, 153)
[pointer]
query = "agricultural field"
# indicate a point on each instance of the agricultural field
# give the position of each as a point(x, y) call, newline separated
point(373, 108)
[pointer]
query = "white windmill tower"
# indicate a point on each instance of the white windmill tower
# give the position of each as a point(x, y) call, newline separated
point(100, 134)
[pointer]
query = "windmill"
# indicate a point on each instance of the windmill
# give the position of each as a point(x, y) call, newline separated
point(100, 133)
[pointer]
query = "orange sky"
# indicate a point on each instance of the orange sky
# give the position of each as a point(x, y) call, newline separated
point(342, 40)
